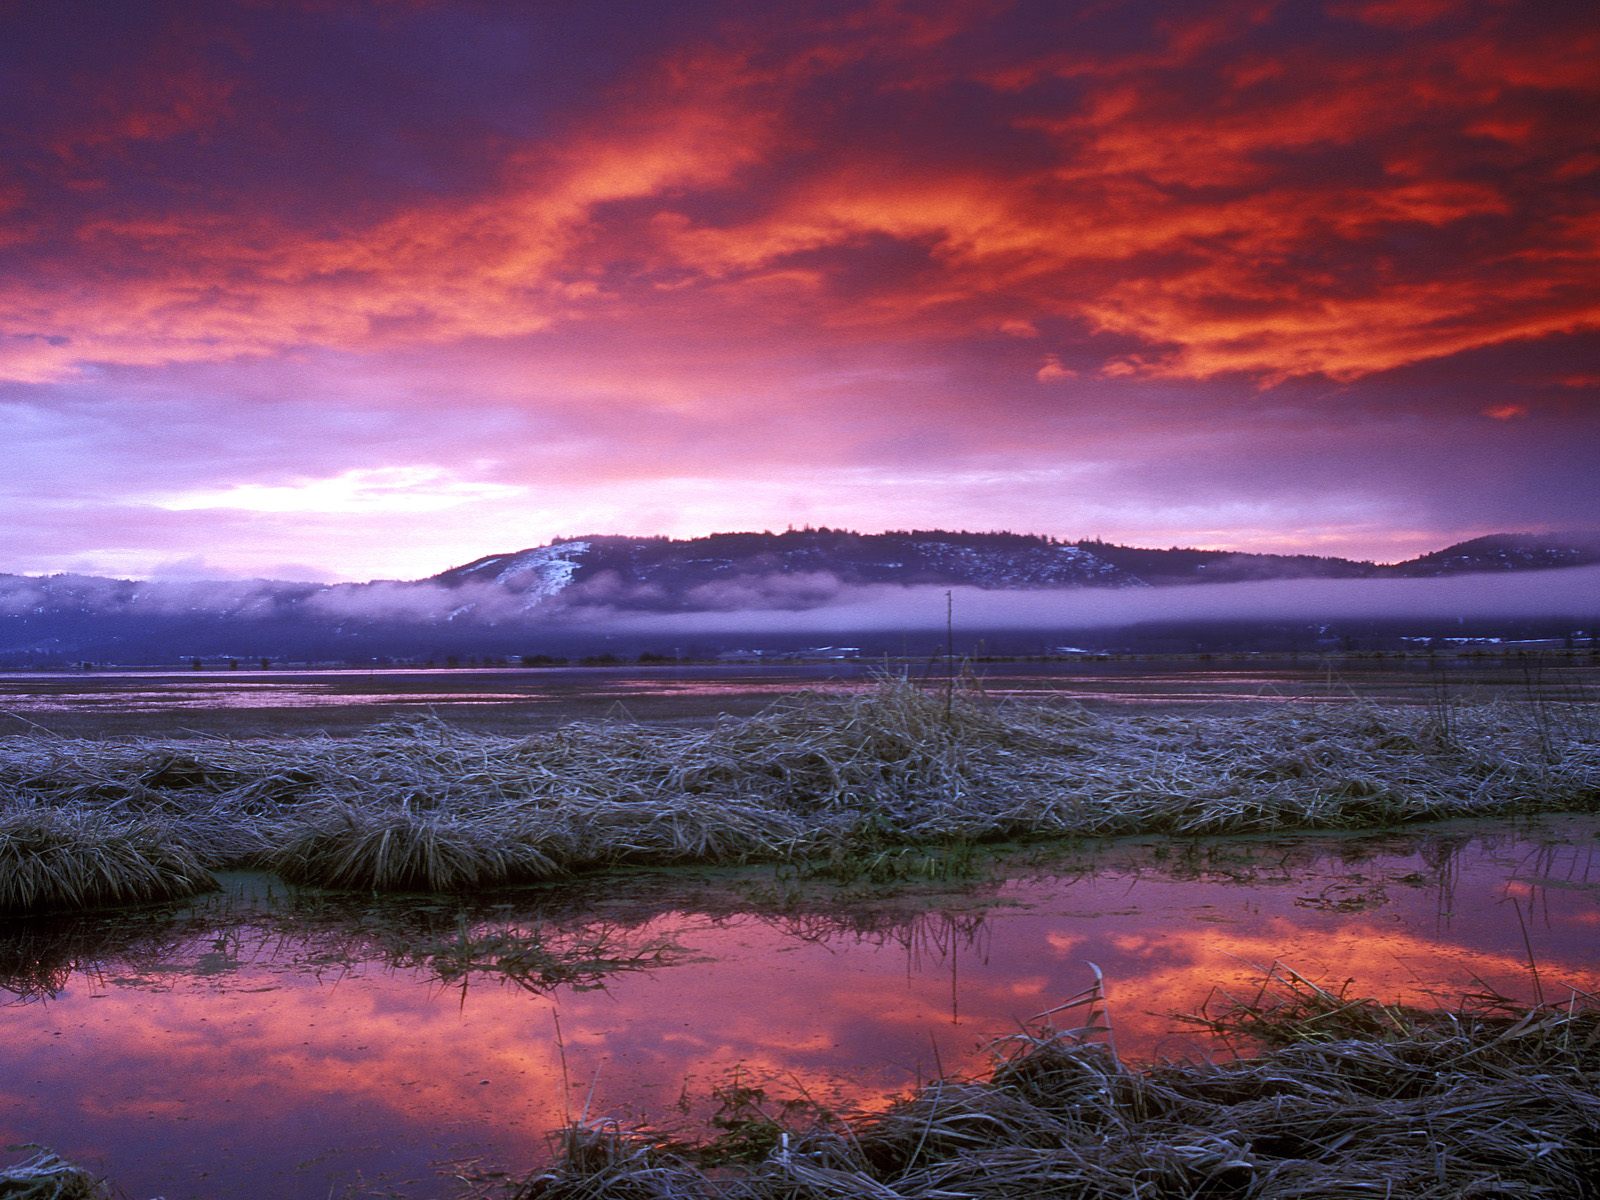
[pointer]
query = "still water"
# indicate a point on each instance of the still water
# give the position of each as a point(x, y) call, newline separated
point(273, 1042)
point(249, 703)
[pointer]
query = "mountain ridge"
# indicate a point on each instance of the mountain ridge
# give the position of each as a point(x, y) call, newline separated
point(582, 588)
point(657, 572)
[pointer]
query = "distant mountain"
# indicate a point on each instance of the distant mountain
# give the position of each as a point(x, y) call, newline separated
point(734, 570)
point(571, 587)
point(767, 570)
point(1160, 568)
point(1507, 552)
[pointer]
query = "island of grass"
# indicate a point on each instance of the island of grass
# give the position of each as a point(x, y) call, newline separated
point(88, 823)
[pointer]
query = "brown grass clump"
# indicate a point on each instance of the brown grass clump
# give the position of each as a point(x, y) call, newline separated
point(46, 1176)
point(405, 851)
point(1386, 1102)
point(424, 805)
point(55, 860)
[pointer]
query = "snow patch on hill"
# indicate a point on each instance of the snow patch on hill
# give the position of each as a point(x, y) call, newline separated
point(539, 574)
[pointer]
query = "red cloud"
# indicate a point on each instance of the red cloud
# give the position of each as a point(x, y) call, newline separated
point(174, 92)
point(1230, 197)
point(1395, 14)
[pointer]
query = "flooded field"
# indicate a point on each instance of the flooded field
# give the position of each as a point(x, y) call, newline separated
point(292, 1043)
point(248, 703)
point(285, 1041)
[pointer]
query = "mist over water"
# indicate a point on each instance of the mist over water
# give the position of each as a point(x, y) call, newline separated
point(802, 604)
point(1573, 592)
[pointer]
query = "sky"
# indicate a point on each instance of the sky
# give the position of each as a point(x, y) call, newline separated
point(365, 290)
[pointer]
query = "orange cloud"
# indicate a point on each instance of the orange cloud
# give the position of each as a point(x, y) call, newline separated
point(1232, 208)
point(1052, 370)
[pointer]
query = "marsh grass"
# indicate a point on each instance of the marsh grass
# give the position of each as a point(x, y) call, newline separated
point(45, 1176)
point(857, 781)
point(537, 959)
point(406, 850)
point(55, 858)
point(1349, 1098)
point(875, 866)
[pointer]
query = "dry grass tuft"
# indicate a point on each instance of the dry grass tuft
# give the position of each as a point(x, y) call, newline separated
point(45, 1176)
point(617, 1164)
point(54, 860)
point(846, 779)
point(405, 851)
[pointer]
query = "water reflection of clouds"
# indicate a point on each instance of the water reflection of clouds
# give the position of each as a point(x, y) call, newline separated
point(157, 1066)
point(1118, 684)
point(131, 702)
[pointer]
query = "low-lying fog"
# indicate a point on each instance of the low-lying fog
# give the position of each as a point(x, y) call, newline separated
point(815, 602)
point(1573, 592)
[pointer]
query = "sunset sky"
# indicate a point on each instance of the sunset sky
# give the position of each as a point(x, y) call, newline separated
point(343, 290)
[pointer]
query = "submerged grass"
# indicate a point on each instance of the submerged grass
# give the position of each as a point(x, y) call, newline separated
point(455, 943)
point(849, 781)
point(1351, 1099)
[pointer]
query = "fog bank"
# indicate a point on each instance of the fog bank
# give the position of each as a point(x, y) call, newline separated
point(1573, 592)
point(804, 603)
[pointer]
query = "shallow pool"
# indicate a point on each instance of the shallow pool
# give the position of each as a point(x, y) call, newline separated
point(292, 1044)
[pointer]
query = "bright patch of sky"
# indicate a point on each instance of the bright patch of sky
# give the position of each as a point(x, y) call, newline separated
point(362, 490)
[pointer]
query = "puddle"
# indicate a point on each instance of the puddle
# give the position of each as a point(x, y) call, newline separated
point(273, 1042)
